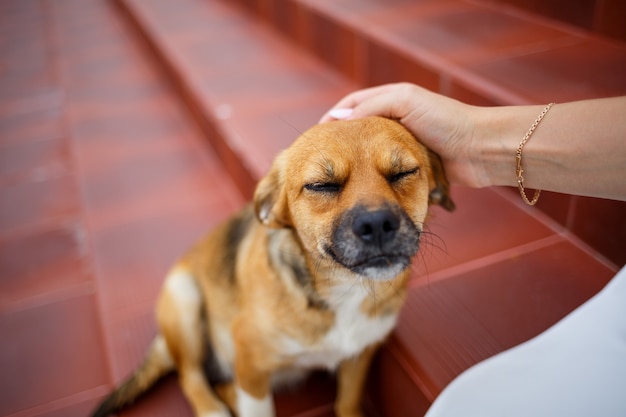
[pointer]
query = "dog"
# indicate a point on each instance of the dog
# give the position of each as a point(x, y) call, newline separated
point(311, 274)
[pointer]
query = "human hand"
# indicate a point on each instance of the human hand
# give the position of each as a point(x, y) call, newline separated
point(444, 125)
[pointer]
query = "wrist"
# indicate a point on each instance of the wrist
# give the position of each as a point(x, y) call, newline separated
point(498, 133)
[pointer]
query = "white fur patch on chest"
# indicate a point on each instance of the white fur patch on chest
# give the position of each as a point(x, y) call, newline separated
point(350, 334)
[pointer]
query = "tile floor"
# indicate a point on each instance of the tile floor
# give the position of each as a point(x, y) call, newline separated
point(106, 177)
point(104, 183)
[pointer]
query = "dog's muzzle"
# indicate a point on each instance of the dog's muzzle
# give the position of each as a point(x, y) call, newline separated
point(377, 244)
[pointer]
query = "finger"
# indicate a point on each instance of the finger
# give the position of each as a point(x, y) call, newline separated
point(340, 113)
point(351, 101)
point(380, 105)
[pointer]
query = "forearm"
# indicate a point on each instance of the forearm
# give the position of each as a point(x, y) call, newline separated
point(578, 148)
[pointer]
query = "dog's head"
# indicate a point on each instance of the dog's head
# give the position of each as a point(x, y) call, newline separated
point(356, 192)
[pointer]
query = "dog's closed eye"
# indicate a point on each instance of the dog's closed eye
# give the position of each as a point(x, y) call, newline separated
point(323, 187)
point(397, 177)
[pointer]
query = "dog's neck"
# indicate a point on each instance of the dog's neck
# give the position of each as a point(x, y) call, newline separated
point(289, 259)
point(322, 280)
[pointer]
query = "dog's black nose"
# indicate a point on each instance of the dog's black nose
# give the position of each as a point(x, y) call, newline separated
point(376, 227)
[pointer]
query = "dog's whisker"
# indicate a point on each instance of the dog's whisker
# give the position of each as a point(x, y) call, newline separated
point(344, 294)
point(432, 246)
point(401, 295)
point(434, 241)
point(312, 141)
point(372, 293)
point(300, 132)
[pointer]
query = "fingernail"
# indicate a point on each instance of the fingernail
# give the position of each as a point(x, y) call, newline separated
point(340, 113)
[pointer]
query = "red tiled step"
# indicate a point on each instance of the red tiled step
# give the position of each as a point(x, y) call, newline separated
point(249, 88)
point(251, 91)
point(452, 322)
point(473, 302)
point(105, 181)
point(481, 52)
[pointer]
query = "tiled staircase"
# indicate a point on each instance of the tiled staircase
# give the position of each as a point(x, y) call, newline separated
point(130, 128)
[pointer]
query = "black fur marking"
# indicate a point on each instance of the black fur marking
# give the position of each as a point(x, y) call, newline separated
point(212, 369)
point(303, 278)
point(285, 255)
point(237, 229)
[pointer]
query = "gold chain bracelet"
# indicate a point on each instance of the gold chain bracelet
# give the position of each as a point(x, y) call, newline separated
point(518, 158)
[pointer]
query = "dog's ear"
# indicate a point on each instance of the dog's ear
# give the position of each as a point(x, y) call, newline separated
point(439, 187)
point(270, 197)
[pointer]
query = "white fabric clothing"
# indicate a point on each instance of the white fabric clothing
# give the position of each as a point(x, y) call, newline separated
point(576, 368)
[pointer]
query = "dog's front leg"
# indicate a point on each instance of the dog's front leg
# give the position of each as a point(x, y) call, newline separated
point(179, 314)
point(252, 378)
point(251, 405)
point(351, 381)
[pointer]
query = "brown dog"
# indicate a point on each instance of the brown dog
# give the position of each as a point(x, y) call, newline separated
point(310, 276)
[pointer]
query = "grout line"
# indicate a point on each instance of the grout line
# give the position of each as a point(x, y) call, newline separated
point(67, 292)
point(89, 255)
point(426, 278)
point(536, 18)
point(185, 103)
point(188, 92)
point(62, 403)
point(484, 261)
point(563, 230)
point(398, 352)
point(442, 66)
point(420, 278)
point(533, 212)
point(589, 250)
